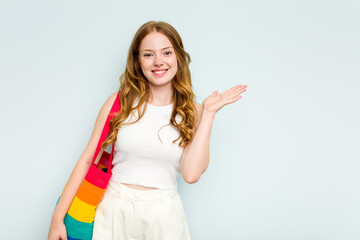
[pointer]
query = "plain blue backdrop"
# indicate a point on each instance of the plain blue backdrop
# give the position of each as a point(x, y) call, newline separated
point(284, 159)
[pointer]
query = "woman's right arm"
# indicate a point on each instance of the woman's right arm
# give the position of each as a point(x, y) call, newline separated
point(57, 228)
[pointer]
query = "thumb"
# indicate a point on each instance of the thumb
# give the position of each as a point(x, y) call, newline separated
point(215, 93)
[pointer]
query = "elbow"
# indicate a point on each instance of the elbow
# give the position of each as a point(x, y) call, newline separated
point(191, 179)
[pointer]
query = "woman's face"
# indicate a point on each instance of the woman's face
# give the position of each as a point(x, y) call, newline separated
point(158, 60)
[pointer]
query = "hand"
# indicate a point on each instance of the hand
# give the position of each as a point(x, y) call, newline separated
point(57, 231)
point(215, 102)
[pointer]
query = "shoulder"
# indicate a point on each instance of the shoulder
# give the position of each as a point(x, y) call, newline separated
point(105, 109)
point(110, 100)
point(112, 97)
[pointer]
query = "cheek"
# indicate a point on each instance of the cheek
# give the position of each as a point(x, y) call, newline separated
point(174, 63)
point(145, 65)
point(174, 68)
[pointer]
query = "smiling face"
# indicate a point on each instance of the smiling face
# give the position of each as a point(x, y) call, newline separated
point(158, 60)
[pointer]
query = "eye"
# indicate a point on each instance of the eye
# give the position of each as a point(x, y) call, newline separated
point(168, 53)
point(147, 55)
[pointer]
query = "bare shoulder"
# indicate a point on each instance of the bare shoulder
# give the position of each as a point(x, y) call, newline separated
point(113, 95)
point(105, 109)
point(89, 151)
point(111, 98)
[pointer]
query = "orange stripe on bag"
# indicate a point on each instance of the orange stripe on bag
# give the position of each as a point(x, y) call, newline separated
point(90, 193)
point(82, 211)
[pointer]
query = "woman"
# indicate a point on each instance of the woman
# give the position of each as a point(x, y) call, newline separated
point(160, 131)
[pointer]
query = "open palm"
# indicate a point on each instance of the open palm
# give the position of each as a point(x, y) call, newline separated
point(215, 101)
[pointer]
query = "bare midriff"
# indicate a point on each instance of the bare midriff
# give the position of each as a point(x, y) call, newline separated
point(139, 187)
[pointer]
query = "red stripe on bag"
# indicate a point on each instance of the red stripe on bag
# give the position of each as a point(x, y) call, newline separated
point(97, 177)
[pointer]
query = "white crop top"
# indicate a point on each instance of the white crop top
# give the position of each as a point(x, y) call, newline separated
point(140, 157)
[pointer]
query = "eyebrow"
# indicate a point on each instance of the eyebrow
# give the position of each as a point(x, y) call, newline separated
point(161, 49)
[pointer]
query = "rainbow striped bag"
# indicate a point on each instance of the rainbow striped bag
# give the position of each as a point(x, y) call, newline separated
point(79, 219)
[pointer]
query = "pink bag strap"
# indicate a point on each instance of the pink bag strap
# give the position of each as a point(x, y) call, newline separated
point(114, 109)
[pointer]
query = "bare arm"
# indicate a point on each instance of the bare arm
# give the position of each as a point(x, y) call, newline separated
point(82, 165)
point(195, 158)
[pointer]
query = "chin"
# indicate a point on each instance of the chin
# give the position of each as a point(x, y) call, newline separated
point(159, 80)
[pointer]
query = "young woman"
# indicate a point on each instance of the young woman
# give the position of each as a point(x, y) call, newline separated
point(160, 131)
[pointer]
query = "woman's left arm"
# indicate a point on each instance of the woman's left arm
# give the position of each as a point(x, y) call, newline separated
point(195, 158)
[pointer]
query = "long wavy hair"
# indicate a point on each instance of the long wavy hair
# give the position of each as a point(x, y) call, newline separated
point(133, 85)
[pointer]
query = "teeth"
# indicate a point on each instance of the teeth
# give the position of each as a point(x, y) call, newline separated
point(159, 71)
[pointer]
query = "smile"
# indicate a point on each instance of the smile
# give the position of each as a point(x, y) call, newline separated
point(160, 72)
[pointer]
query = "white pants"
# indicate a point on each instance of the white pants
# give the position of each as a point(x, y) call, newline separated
point(130, 214)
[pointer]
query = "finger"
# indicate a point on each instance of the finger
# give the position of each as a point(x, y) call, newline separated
point(230, 101)
point(234, 89)
point(240, 86)
point(236, 93)
point(229, 91)
point(214, 94)
point(235, 99)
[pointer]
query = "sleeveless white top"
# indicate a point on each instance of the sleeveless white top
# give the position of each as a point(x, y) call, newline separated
point(141, 158)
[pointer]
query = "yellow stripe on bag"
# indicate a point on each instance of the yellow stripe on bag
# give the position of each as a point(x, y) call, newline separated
point(82, 211)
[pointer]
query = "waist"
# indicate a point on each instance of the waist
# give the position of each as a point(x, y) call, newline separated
point(122, 191)
point(139, 187)
point(146, 175)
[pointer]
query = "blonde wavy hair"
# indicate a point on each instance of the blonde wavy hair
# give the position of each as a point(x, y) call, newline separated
point(133, 85)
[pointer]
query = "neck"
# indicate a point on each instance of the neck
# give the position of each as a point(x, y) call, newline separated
point(160, 95)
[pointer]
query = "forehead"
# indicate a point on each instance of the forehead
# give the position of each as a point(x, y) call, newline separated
point(155, 41)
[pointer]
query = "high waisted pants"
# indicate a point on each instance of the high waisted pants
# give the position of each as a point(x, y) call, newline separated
point(130, 214)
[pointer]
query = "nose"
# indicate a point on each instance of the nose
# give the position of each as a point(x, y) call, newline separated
point(158, 61)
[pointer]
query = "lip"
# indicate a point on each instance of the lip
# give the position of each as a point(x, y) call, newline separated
point(159, 74)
